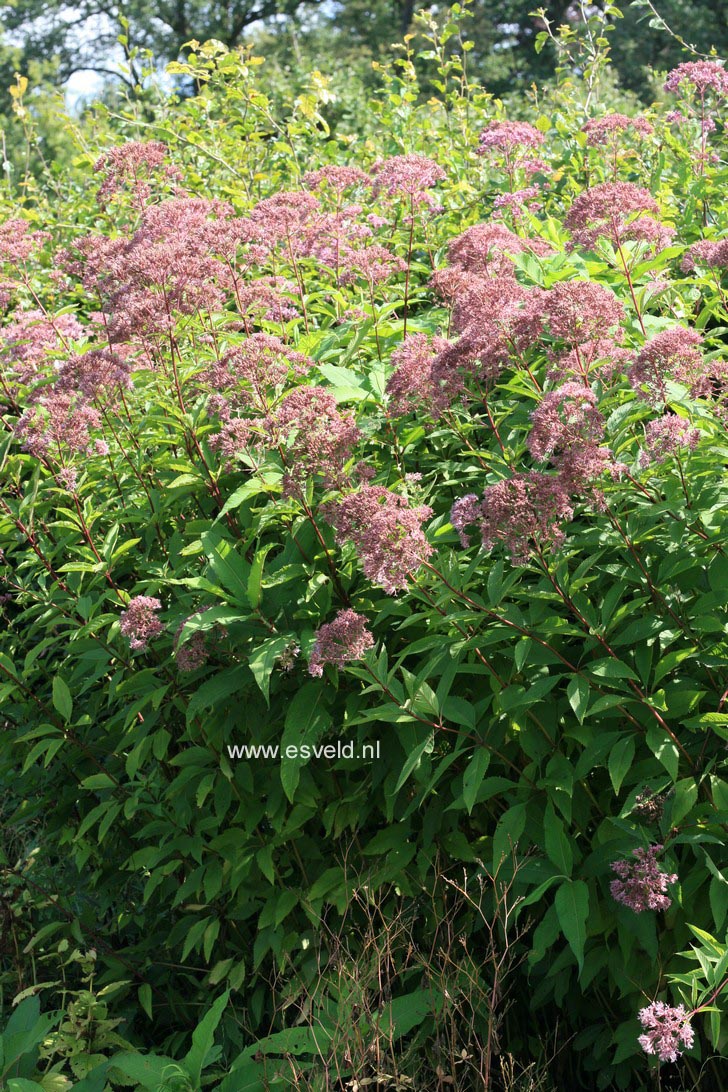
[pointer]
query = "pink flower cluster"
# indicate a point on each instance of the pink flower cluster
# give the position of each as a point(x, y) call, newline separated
point(247, 376)
point(139, 622)
point(497, 319)
point(600, 131)
point(667, 1029)
point(57, 424)
point(641, 883)
point(577, 312)
point(673, 354)
point(133, 164)
point(509, 136)
point(339, 642)
point(314, 435)
point(413, 384)
point(304, 424)
point(701, 76)
point(566, 428)
point(168, 267)
point(518, 202)
point(408, 176)
point(336, 178)
point(17, 241)
point(30, 338)
point(386, 533)
point(708, 252)
point(522, 512)
point(619, 212)
point(665, 436)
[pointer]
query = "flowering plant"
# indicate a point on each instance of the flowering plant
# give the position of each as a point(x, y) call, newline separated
point(354, 444)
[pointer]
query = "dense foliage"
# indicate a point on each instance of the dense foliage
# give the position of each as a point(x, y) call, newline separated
point(412, 444)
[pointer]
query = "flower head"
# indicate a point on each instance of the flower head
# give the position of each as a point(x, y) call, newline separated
point(17, 241)
point(59, 423)
point(335, 178)
point(708, 252)
point(412, 384)
point(487, 249)
point(138, 621)
point(564, 418)
point(374, 264)
point(665, 436)
point(580, 311)
point(282, 217)
point(671, 354)
point(509, 136)
point(519, 512)
point(608, 128)
point(319, 439)
point(700, 76)
point(346, 638)
point(566, 428)
point(132, 164)
point(610, 210)
point(408, 175)
point(386, 533)
point(641, 883)
point(666, 1029)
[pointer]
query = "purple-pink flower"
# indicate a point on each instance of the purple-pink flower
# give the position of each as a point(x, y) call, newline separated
point(509, 136)
point(133, 164)
point(610, 126)
point(617, 211)
point(641, 883)
point(346, 638)
point(665, 436)
point(581, 311)
point(708, 252)
point(521, 512)
point(667, 1028)
point(408, 175)
point(671, 354)
point(566, 428)
point(58, 424)
point(701, 76)
point(139, 622)
point(412, 384)
point(318, 438)
point(386, 533)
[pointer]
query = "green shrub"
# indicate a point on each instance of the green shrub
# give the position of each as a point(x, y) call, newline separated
point(421, 452)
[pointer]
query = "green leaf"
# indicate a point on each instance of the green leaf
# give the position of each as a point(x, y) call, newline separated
point(213, 691)
point(664, 749)
point(203, 1038)
point(683, 798)
point(144, 993)
point(255, 578)
point(474, 775)
point(578, 694)
point(262, 662)
point(147, 1070)
point(558, 846)
point(413, 760)
point(306, 721)
point(231, 570)
point(572, 910)
point(62, 700)
point(402, 1014)
point(620, 760)
point(609, 668)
